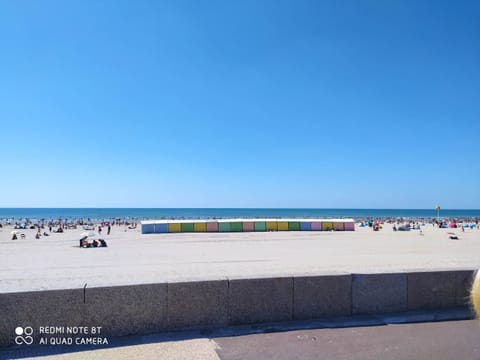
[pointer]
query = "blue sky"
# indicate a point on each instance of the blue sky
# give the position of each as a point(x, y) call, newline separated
point(324, 104)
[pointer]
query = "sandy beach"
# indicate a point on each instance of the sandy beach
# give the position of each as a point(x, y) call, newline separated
point(57, 262)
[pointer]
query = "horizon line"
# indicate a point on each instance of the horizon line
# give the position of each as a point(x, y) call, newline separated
point(253, 208)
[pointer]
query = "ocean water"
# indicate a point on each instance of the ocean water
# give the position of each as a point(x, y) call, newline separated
point(209, 213)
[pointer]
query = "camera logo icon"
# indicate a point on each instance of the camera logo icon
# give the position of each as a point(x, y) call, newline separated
point(24, 335)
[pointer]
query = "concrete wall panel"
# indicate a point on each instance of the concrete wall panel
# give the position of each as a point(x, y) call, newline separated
point(322, 296)
point(197, 304)
point(260, 300)
point(431, 290)
point(379, 293)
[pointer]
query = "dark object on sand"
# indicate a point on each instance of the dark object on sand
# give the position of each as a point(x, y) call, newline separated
point(85, 244)
point(83, 240)
point(453, 237)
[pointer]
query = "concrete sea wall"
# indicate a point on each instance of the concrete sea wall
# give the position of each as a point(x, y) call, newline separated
point(151, 308)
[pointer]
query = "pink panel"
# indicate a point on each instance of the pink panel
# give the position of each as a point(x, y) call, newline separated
point(316, 225)
point(212, 226)
point(349, 226)
point(338, 226)
point(248, 226)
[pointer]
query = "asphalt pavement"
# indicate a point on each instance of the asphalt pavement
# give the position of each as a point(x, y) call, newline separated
point(441, 340)
point(452, 340)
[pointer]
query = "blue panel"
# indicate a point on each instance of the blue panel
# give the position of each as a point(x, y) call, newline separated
point(161, 228)
point(147, 228)
point(305, 226)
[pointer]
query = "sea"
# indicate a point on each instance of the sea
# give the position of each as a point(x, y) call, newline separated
point(222, 213)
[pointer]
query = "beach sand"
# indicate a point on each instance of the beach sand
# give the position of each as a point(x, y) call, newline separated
point(56, 261)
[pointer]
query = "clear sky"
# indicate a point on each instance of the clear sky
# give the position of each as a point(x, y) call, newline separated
point(251, 103)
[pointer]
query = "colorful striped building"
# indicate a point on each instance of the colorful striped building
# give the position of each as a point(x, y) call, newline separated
point(246, 225)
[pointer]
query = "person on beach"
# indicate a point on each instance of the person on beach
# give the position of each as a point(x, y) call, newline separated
point(99, 230)
point(84, 241)
point(14, 237)
point(108, 229)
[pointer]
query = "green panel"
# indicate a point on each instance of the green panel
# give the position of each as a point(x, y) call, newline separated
point(188, 227)
point(293, 226)
point(224, 226)
point(260, 226)
point(236, 226)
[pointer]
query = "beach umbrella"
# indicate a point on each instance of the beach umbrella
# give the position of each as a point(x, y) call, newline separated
point(90, 234)
point(14, 232)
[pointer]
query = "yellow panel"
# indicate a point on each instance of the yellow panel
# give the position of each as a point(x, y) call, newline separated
point(200, 227)
point(327, 226)
point(282, 226)
point(175, 227)
point(272, 226)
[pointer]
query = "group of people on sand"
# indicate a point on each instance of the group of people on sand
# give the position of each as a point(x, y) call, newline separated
point(84, 243)
point(38, 234)
point(109, 228)
point(15, 237)
point(407, 227)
